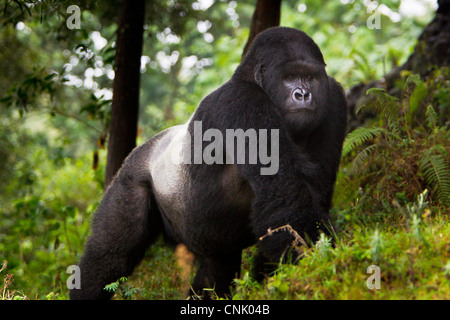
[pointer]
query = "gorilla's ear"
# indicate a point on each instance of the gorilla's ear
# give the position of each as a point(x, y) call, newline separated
point(259, 73)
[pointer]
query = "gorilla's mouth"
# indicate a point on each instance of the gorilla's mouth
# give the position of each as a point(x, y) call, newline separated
point(299, 109)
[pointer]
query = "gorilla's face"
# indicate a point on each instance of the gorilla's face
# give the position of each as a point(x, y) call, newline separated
point(299, 89)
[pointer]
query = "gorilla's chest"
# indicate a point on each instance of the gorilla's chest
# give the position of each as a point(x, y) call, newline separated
point(213, 202)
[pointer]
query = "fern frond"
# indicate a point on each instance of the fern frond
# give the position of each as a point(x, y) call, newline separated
point(362, 158)
point(436, 173)
point(346, 188)
point(431, 117)
point(358, 137)
point(418, 94)
point(112, 287)
point(381, 103)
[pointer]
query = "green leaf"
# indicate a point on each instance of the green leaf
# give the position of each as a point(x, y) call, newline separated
point(432, 118)
point(49, 77)
point(437, 174)
point(417, 97)
point(358, 137)
point(381, 103)
point(112, 287)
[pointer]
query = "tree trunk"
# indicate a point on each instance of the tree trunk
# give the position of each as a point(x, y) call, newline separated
point(266, 15)
point(125, 103)
point(432, 49)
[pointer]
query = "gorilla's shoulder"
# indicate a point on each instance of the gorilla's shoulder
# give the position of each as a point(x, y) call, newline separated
point(232, 93)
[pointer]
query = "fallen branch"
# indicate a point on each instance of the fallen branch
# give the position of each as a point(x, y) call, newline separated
point(297, 238)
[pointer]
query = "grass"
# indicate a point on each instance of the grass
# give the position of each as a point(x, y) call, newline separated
point(411, 249)
point(414, 261)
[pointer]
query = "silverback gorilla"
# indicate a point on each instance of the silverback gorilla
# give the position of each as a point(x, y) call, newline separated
point(219, 208)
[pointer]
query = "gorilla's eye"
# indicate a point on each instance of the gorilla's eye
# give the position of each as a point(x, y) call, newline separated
point(309, 78)
point(290, 77)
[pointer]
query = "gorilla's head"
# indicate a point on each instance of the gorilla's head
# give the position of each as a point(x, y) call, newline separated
point(288, 65)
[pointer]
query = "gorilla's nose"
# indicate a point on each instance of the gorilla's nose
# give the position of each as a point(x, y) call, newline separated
point(302, 96)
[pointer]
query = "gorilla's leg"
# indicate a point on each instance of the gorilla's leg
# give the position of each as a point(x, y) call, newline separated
point(126, 222)
point(216, 273)
point(262, 267)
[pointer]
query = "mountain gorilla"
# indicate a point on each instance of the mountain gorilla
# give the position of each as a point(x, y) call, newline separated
point(217, 209)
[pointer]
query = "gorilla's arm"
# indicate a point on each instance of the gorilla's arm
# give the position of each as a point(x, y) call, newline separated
point(325, 143)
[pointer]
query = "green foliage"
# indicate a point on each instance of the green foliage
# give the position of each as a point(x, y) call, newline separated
point(412, 258)
point(418, 94)
point(360, 136)
point(382, 104)
point(26, 93)
point(436, 172)
point(406, 150)
point(432, 118)
point(42, 231)
point(122, 289)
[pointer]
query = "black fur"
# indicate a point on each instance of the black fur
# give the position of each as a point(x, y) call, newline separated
point(217, 210)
